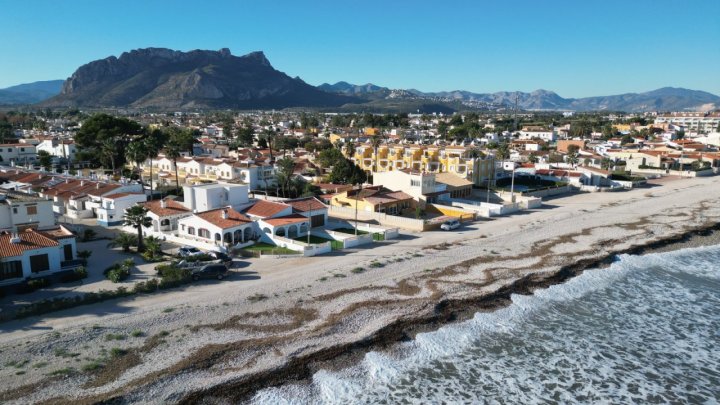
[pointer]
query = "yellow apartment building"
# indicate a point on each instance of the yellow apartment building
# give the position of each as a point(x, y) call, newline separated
point(458, 160)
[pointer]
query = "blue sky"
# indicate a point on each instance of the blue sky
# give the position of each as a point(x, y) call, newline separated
point(576, 48)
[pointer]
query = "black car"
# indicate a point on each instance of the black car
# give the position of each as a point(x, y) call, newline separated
point(222, 258)
point(218, 271)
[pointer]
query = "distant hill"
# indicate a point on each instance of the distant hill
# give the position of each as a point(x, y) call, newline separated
point(164, 78)
point(664, 99)
point(30, 93)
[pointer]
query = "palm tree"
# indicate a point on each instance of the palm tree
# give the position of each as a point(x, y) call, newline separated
point(376, 140)
point(136, 216)
point(108, 148)
point(136, 153)
point(285, 169)
point(152, 145)
point(152, 246)
point(124, 240)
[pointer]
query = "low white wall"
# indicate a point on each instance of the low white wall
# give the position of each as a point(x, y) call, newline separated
point(304, 248)
point(390, 233)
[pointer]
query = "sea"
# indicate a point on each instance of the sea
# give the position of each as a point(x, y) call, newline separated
point(645, 330)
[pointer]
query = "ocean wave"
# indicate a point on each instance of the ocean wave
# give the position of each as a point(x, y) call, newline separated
point(633, 332)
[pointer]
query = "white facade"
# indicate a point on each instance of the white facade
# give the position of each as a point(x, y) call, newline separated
point(112, 208)
point(418, 185)
point(206, 197)
point(62, 149)
point(548, 136)
point(18, 153)
point(18, 209)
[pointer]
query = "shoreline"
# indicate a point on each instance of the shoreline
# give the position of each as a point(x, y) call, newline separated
point(447, 312)
point(217, 342)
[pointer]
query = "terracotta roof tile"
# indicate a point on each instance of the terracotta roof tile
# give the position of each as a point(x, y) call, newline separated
point(29, 240)
point(306, 204)
point(172, 207)
point(233, 219)
point(266, 209)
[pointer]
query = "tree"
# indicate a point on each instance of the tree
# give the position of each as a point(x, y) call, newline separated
point(350, 149)
point(6, 131)
point(346, 172)
point(155, 141)
point(329, 157)
point(45, 159)
point(105, 138)
point(136, 152)
point(136, 216)
point(178, 141)
point(533, 158)
point(152, 247)
point(285, 169)
point(245, 136)
point(607, 163)
point(124, 240)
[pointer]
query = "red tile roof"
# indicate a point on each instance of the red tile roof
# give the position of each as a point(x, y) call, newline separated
point(120, 195)
point(233, 219)
point(306, 204)
point(172, 207)
point(29, 240)
point(266, 209)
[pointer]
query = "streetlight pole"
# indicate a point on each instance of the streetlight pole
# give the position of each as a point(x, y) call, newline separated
point(512, 185)
point(310, 219)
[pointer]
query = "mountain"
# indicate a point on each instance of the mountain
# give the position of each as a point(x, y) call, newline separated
point(362, 90)
point(664, 99)
point(164, 78)
point(30, 93)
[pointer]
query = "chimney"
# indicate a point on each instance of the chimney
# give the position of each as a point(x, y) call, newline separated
point(82, 183)
point(224, 214)
point(97, 186)
point(163, 204)
point(67, 181)
point(15, 238)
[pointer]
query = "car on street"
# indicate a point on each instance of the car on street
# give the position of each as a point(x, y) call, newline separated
point(187, 251)
point(215, 270)
point(450, 225)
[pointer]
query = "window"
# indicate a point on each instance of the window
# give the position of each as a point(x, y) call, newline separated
point(415, 183)
point(204, 233)
point(31, 210)
point(191, 230)
point(14, 210)
point(12, 269)
point(39, 263)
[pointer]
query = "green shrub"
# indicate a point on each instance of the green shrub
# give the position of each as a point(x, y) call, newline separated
point(137, 333)
point(357, 270)
point(117, 352)
point(34, 285)
point(78, 274)
point(146, 286)
point(172, 276)
point(119, 271)
point(377, 264)
point(92, 366)
point(88, 235)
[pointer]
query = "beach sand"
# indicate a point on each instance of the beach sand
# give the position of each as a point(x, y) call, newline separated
point(282, 319)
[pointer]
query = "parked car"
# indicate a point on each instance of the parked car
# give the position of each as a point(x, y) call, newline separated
point(215, 270)
point(221, 258)
point(450, 225)
point(187, 251)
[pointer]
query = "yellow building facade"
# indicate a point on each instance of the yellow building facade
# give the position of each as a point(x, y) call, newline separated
point(458, 160)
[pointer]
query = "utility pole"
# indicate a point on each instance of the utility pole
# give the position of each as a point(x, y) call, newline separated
point(310, 218)
point(356, 208)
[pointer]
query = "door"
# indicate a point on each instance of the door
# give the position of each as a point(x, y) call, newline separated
point(317, 220)
point(68, 252)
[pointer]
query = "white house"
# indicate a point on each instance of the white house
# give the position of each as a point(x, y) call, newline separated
point(165, 214)
point(32, 254)
point(205, 197)
point(548, 136)
point(19, 210)
point(112, 207)
point(59, 148)
point(221, 227)
point(420, 185)
point(17, 153)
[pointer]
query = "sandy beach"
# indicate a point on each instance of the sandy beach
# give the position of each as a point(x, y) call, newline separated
point(279, 320)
